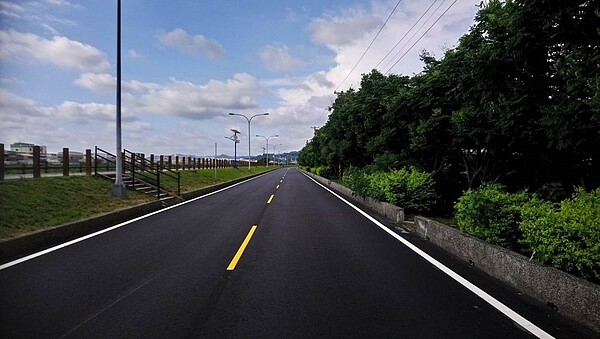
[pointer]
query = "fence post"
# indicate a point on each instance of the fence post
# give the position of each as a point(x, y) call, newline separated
point(65, 159)
point(36, 161)
point(162, 162)
point(177, 163)
point(151, 160)
point(143, 160)
point(2, 162)
point(170, 161)
point(183, 163)
point(88, 162)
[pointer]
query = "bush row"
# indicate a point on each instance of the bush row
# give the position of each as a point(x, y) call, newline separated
point(406, 187)
point(565, 235)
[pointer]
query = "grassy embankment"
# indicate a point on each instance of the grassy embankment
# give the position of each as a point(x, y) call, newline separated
point(33, 204)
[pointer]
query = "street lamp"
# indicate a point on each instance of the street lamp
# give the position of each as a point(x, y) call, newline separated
point(249, 119)
point(118, 189)
point(267, 139)
point(236, 141)
point(274, 151)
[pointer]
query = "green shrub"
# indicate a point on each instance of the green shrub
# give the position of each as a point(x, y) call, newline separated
point(356, 180)
point(407, 188)
point(492, 215)
point(568, 237)
point(323, 171)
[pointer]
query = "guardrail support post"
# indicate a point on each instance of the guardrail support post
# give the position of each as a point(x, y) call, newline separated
point(88, 162)
point(36, 161)
point(2, 162)
point(65, 159)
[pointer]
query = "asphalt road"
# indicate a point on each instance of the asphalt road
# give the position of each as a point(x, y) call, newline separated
point(276, 256)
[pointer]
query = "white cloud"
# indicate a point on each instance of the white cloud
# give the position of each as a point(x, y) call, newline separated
point(61, 3)
point(12, 107)
point(105, 83)
point(133, 54)
point(83, 113)
point(59, 50)
point(337, 32)
point(277, 58)
point(11, 9)
point(201, 102)
point(12, 80)
point(192, 44)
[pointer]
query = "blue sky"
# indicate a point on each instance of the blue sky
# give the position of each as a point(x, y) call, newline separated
point(187, 63)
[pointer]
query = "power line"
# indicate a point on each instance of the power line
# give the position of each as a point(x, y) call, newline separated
point(405, 34)
point(360, 59)
point(421, 37)
point(414, 34)
point(368, 47)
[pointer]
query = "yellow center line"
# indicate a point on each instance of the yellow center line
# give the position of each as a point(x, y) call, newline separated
point(271, 198)
point(240, 251)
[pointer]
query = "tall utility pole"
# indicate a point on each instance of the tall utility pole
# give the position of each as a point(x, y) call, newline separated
point(119, 189)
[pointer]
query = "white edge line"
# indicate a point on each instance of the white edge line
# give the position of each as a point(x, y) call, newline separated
point(74, 241)
point(514, 316)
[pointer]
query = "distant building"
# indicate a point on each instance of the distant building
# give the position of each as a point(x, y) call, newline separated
point(74, 157)
point(23, 147)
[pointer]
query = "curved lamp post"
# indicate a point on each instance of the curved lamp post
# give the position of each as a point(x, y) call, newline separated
point(274, 151)
point(267, 139)
point(249, 119)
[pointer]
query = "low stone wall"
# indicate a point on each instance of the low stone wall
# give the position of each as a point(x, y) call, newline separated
point(573, 297)
point(384, 209)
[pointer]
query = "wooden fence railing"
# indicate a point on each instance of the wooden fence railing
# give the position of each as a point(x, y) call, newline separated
point(68, 165)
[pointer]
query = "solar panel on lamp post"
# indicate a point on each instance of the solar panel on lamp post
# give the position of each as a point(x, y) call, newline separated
point(249, 120)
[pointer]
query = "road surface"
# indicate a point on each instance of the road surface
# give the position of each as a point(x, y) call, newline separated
point(276, 256)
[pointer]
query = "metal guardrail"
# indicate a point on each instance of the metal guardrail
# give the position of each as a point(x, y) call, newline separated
point(140, 168)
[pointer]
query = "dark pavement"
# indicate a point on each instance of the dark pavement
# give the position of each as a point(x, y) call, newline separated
point(314, 267)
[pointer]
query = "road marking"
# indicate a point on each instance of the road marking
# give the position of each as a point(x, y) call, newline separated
point(69, 243)
point(514, 316)
point(240, 251)
point(271, 198)
point(277, 187)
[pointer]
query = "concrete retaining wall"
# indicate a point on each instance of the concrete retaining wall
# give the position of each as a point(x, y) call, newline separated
point(384, 209)
point(573, 297)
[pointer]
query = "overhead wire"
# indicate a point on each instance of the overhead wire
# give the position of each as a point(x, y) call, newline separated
point(405, 53)
point(405, 34)
point(360, 59)
point(420, 29)
point(421, 37)
point(371, 44)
